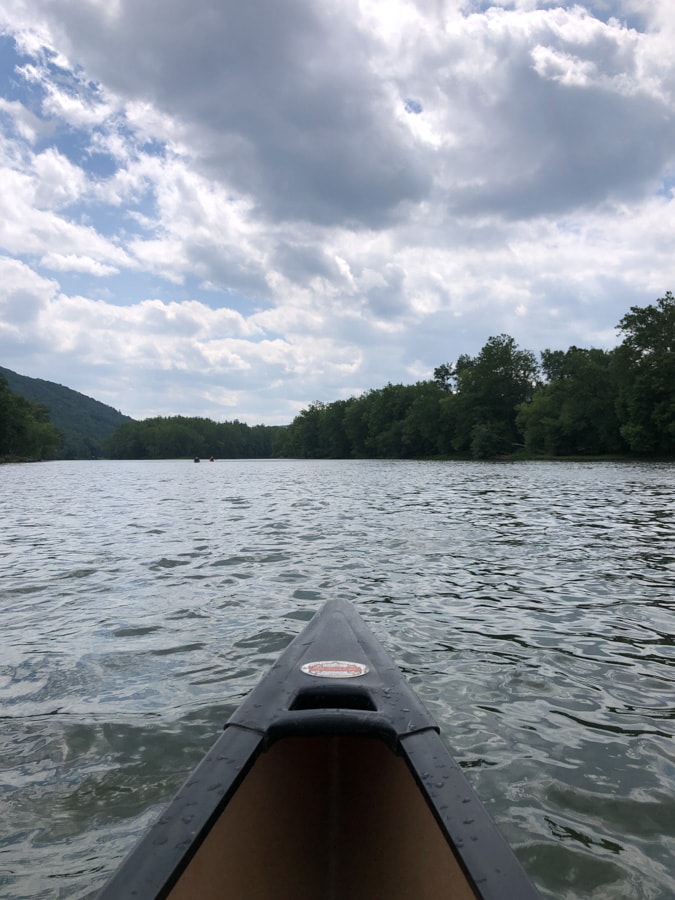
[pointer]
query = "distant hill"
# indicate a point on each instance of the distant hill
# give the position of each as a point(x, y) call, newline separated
point(85, 423)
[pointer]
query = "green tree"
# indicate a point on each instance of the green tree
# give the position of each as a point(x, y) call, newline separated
point(574, 411)
point(305, 437)
point(335, 438)
point(356, 424)
point(423, 427)
point(126, 442)
point(444, 377)
point(394, 421)
point(489, 388)
point(25, 429)
point(387, 410)
point(182, 437)
point(645, 371)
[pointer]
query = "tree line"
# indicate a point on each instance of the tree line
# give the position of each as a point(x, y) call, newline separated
point(180, 437)
point(500, 403)
point(505, 402)
point(25, 430)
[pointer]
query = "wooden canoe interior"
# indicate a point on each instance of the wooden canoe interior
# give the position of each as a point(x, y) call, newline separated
point(322, 818)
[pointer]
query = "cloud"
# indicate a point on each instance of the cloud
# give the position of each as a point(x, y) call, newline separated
point(23, 296)
point(541, 126)
point(21, 120)
point(57, 182)
point(262, 204)
point(281, 94)
point(206, 350)
point(73, 263)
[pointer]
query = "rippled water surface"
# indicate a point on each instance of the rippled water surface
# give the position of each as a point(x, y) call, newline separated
point(532, 606)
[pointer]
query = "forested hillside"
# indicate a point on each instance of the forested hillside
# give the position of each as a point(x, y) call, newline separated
point(505, 401)
point(83, 423)
point(25, 429)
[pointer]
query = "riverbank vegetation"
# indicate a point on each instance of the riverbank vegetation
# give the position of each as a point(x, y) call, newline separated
point(504, 403)
point(82, 422)
point(179, 437)
point(25, 430)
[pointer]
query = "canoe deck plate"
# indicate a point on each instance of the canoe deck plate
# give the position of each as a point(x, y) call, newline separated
point(334, 668)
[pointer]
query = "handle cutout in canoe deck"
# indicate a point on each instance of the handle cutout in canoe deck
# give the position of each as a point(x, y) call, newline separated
point(325, 698)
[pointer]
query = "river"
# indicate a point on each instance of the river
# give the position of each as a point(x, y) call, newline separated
point(531, 605)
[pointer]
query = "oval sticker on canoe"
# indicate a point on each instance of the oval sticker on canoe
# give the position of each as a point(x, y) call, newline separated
point(334, 668)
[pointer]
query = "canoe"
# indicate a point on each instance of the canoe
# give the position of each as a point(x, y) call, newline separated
point(330, 781)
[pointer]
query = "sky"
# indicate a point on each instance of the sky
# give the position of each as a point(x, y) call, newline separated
point(234, 209)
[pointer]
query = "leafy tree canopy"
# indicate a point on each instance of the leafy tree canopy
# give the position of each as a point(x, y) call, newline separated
point(503, 401)
point(83, 423)
point(181, 437)
point(645, 372)
point(25, 429)
point(500, 402)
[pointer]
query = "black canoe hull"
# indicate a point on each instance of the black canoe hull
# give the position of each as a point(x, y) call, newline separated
point(326, 787)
